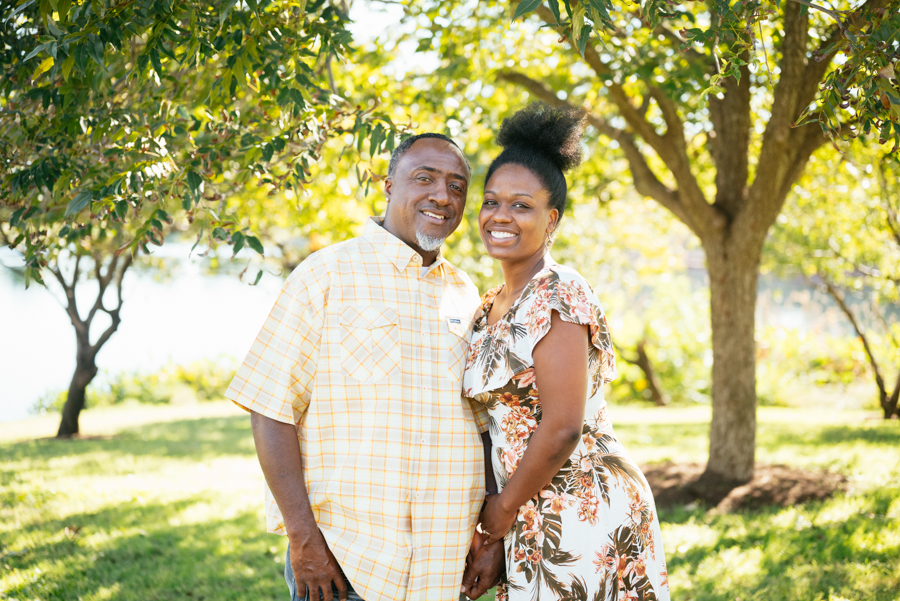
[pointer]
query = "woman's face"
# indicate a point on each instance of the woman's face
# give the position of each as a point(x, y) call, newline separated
point(515, 215)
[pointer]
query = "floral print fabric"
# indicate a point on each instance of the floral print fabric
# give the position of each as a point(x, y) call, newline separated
point(592, 533)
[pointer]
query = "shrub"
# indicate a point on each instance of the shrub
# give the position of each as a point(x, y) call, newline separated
point(200, 380)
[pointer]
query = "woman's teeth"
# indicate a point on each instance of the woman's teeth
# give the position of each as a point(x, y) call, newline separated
point(502, 235)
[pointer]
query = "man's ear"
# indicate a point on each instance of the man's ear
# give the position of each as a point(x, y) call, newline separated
point(388, 187)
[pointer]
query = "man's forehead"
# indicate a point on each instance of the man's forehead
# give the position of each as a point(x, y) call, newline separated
point(436, 153)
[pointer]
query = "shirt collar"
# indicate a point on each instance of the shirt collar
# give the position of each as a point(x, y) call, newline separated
point(398, 252)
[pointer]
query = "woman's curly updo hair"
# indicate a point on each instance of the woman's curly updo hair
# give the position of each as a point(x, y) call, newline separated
point(545, 140)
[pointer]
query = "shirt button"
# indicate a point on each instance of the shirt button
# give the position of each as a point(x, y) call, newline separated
point(418, 494)
point(416, 258)
point(423, 440)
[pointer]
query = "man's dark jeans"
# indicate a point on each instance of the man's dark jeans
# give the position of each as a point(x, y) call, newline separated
point(292, 584)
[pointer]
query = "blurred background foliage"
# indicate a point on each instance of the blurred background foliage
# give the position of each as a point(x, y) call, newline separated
point(281, 176)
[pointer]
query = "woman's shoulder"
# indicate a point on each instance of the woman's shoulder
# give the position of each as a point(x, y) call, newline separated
point(556, 274)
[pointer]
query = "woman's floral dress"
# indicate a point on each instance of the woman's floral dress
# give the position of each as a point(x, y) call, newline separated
point(592, 534)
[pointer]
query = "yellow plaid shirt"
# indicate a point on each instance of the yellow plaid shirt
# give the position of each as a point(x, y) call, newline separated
point(364, 351)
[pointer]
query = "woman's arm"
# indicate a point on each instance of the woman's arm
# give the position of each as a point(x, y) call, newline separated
point(561, 369)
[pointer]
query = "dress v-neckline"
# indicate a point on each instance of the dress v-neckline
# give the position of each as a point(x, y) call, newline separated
point(487, 308)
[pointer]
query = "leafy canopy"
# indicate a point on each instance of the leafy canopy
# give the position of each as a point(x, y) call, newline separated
point(138, 115)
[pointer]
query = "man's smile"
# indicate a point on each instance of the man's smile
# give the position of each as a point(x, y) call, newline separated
point(435, 216)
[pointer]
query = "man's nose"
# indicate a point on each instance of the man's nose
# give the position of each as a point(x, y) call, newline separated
point(439, 193)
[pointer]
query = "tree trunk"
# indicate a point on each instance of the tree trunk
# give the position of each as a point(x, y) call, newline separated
point(733, 275)
point(85, 370)
point(86, 357)
point(890, 406)
point(642, 360)
point(653, 383)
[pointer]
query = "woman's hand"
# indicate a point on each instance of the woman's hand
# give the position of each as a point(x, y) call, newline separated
point(495, 521)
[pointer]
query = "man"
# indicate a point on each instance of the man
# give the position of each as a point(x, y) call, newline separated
point(373, 460)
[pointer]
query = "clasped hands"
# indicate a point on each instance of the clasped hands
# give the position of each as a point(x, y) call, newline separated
point(486, 561)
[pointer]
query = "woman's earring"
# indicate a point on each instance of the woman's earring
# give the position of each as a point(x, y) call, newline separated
point(548, 241)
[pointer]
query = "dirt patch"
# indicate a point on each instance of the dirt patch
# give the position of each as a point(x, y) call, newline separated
point(682, 484)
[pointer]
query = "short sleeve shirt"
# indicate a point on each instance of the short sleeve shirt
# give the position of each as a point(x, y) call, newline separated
point(364, 352)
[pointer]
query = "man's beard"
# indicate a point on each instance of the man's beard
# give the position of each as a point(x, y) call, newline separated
point(427, 243)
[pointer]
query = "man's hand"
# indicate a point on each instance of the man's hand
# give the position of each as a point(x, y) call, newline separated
point(485, 565)
point(315, 567)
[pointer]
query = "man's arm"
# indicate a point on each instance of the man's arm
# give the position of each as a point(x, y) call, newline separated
point(279, 456)
point(484, 565)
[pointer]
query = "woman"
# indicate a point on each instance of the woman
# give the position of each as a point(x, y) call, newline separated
point(575, 513)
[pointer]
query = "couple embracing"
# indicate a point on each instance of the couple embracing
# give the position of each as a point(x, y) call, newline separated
point(386, 399)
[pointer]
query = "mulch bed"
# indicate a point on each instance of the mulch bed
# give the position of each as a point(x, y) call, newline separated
point(675, 484)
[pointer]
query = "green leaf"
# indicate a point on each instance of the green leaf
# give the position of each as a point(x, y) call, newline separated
point(154, 58)
point(578, 23)
point(35, 52)
point(267, 152)
point(254, 243)
point(238, 239)
point(14, 220)
point(554, 8)
point(582, 41)
point(195, 182)
point(95, 50)
point(56, 31)
point(67, 67)
point(77, 204)
point(62, 8)
point(44, 66)
point(226, 11)
point(258, 277)
point(81, 58)
point(525, 7)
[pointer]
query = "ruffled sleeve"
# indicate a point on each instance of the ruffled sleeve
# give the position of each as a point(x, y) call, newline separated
point(564, 290)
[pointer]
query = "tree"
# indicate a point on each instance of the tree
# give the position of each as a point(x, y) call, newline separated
point(125, 121)
point(843, 236)
point(106, 271)
point(109, 108)
point(716, 124)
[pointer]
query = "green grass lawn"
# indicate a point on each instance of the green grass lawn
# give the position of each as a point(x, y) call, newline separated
point(166, 503)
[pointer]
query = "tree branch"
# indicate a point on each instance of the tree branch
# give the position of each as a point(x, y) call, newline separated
point(645, 181)
point(839, 299)
point(700, 216)
point(103, 281)
point(113, 313)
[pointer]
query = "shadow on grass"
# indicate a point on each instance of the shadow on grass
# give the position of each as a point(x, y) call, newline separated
point(197, 439)
point(778, 554)
point(143, 551)
point(886, 433)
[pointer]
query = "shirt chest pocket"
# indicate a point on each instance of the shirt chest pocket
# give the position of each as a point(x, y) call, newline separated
point(457, 347)
point(370, 342)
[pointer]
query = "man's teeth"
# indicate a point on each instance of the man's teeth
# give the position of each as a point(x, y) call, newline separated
point(502, 234)
point(435, 215)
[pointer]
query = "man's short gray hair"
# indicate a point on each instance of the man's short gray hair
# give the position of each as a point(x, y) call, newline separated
point(405, 145)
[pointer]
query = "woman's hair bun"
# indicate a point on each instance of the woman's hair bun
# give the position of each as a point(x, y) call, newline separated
point(555, 132)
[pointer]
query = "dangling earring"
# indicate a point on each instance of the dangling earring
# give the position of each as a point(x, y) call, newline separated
point(548, 242)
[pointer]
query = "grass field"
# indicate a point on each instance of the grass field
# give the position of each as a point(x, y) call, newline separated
point(165, 502)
